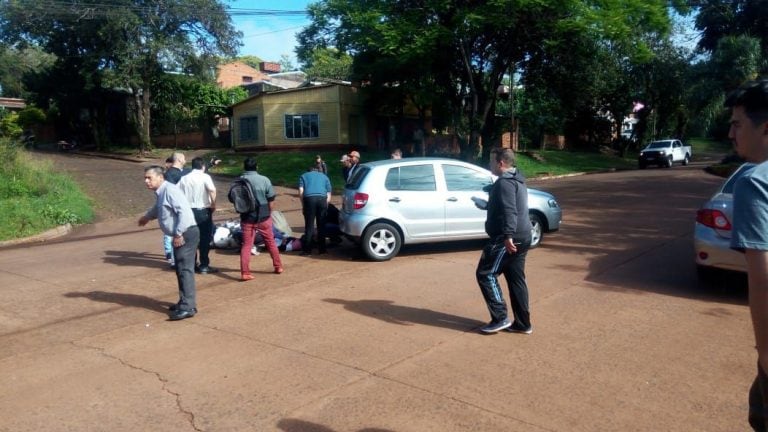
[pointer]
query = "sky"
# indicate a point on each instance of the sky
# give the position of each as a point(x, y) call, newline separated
point(268, 36)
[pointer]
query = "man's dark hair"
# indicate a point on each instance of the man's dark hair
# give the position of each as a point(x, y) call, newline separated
point(753, 97)
point(169, 159)
point(504, 154)
point(249, 164)
point(156, 170)
point(198, 163)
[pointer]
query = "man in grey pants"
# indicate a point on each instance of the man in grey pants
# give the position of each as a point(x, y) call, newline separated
point(176, 219)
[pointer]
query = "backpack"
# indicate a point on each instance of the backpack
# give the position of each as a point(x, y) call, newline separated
point(242, 196)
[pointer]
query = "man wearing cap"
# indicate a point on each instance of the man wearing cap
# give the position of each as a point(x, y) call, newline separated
point(354, 160)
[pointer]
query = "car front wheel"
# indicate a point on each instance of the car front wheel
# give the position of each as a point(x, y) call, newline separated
point(381, 242)
point(537, 230)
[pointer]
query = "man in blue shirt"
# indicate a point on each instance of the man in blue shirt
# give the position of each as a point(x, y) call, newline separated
point(315, 194)
point(176, 220)
point(749, 133)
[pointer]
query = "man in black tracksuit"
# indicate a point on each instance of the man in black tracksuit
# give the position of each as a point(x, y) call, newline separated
point(509, 229)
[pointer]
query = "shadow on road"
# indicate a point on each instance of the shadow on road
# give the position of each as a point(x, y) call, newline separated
point(135, 259)
point(637, 227)
point(130, 300)
point(296, 425)
point(389, 312)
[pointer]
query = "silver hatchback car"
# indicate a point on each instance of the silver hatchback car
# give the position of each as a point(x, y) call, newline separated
point(393, 202)
point(712, 230)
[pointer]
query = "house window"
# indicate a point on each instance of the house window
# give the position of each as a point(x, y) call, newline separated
point(247, 79)
point(299, 126)
point(249, 129)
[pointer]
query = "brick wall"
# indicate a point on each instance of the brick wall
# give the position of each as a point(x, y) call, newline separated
point(238, 73)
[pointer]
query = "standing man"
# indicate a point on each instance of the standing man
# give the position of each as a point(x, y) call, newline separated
point(176, 220)
point(174, 173)
point(258, 221)
point(509, 228)
point(315, 194)
point(345, 165)
point(200, 191)
point(173, 166)
point(354, 161)
point(749, 133)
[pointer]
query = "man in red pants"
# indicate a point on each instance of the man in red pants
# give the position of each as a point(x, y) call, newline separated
point(259, 220)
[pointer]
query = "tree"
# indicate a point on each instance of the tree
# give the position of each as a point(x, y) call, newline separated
point(329, 63)
point(123, 44)
point(457, 53)
point(720, 18)
point(286, 64)
point(184, 103)
point(15, 63)
point(251, 60)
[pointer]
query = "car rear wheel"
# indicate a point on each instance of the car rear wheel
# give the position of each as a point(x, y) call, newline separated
point(686, 159)
point(538, 230)
point(381, 242)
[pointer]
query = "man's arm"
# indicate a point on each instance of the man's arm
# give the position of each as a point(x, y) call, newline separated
point(757, 269)
point(211, 192)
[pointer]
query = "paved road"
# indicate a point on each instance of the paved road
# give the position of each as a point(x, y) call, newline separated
point(624, 338)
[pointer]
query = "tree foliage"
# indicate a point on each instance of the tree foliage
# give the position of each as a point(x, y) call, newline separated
point(329, 63)
point(122, 44)
point(456, 54)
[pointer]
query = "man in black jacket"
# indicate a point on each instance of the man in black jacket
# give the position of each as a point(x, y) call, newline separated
point(509, 228)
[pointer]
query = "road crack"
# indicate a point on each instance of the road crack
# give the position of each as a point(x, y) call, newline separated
point(163, 381)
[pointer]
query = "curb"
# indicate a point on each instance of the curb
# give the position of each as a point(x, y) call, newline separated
point(51, 234)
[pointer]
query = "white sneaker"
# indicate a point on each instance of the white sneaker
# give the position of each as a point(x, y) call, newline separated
point(254, 250)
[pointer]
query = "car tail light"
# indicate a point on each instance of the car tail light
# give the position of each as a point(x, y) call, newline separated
point(360, 200)
point(713, 219)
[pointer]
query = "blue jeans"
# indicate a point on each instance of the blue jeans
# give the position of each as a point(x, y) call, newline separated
point(168, 246)
point(494, 261)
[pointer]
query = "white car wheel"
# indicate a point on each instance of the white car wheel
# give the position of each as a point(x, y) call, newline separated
point(381, 242)
point(536, 231)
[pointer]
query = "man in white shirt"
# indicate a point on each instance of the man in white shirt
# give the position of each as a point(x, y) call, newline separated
point(200, 191)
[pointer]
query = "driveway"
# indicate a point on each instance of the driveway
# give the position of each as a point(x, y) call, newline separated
point(624, 338)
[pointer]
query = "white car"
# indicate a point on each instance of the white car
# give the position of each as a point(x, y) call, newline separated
point(393, 202)
point(712, 231)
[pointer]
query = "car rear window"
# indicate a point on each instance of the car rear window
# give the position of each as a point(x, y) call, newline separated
point(411, 178)
point(357, 177)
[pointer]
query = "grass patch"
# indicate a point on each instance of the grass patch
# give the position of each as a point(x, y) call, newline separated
point(34, 198)
point(705, 145)
point(284, 168)
point(560, 162)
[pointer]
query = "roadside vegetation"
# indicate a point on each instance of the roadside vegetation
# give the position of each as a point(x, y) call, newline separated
point(284, 168)
point(35, 198)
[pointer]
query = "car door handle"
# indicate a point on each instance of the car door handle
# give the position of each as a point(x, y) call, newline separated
point(452, 199)
point(395, 199)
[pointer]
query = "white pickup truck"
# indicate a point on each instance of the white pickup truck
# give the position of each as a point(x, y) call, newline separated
point(664, 153)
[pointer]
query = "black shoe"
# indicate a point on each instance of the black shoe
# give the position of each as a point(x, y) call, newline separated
point(206, 270)
point(181, 314)
point(175, 307)
point(518, 328)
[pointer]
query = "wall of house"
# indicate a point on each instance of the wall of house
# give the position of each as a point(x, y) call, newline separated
point(235, 73)
point(334, 105)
